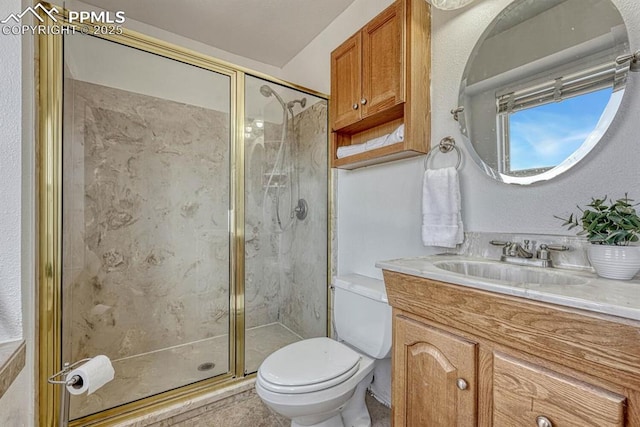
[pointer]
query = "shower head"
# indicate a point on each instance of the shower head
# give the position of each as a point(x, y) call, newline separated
point(302, 102)
point(266, 91)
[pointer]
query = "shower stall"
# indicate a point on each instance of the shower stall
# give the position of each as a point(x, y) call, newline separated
point(193, 223)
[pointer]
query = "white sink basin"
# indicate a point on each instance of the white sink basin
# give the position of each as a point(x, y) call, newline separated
point(509, 273)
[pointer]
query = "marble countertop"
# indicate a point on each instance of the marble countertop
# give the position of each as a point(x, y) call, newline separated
point(592, 293)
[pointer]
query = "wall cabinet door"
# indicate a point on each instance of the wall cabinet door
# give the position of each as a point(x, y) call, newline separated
point(367, 70)
point(382, 62)
point(346, 71)
point(529, 395)
point(434, 377)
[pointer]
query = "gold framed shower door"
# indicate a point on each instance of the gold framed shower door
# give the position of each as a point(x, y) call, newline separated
point(49, 217)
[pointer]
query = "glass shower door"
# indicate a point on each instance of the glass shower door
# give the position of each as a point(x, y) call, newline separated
point(285, 218)
point(146, 237)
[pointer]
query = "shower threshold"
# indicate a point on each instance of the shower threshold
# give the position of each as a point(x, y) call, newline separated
point(144, 375)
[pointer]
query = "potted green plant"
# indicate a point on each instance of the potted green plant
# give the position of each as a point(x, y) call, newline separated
point(612, 226)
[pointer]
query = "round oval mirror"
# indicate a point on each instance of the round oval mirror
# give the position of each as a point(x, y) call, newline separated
point(542, 86)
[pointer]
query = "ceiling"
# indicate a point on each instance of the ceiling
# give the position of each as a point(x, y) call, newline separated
point(269, 31)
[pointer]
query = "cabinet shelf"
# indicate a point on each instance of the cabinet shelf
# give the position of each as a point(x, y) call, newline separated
point(390, 152)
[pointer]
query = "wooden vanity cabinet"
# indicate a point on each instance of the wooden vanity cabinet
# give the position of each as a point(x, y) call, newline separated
point(525, 394)
point(435, 376)
point(380, 80)
point(524, 363)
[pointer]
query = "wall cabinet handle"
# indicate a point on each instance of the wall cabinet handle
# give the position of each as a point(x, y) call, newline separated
point(355, 106)
point(363, 101)
point(462, 384)
point(543, 421)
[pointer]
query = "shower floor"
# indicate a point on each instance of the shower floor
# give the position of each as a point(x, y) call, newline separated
point(147, 374)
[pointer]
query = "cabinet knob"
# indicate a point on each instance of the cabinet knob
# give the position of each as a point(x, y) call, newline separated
point(543, 421)
point(363, 101)
point(462, 384)
point(355, 106)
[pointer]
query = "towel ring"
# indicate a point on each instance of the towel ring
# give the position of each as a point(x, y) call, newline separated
point(445, 146)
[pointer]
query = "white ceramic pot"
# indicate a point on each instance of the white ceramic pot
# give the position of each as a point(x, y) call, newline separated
point(615, 262)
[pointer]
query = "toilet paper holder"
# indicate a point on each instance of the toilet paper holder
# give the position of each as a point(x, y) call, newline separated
point(64, 382)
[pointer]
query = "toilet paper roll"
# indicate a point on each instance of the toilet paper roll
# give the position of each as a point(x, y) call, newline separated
point(91, 375)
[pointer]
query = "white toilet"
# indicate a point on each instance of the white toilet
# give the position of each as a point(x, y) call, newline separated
point(321, 382)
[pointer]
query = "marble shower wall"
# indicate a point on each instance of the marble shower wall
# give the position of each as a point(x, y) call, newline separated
point(145, 211)
point(262, 273)
point(286, 272)
point(304, 295)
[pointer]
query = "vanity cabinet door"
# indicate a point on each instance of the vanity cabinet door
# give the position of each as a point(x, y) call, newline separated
point(529, 395)
point(434, 377)
point(382, 62)
point(346, 71)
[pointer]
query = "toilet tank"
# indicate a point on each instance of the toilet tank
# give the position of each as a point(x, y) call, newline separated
point(362, 314)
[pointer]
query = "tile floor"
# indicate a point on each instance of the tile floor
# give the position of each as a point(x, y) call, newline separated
point(247, 410)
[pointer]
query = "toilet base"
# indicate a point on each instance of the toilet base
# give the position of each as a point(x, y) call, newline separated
point(354, 414)
point(335, 421)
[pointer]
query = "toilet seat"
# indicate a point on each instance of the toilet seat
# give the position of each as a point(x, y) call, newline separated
point(309, 365)
point(276, 388)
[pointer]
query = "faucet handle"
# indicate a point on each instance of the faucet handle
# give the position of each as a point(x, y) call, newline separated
point(543, 252)
point(558, 248)
point(506, 246)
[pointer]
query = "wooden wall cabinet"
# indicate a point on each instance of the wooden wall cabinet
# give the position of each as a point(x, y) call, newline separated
point(523, 363)
point(380, 80)
point(367, 77)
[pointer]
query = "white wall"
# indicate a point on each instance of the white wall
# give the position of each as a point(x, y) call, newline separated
point(10, 173)
point(17, 221)
point(378, 207)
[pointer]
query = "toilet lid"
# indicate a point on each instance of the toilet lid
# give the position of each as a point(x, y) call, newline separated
point(309, 362)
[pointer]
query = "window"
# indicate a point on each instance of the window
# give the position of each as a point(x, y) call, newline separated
point(568, 123)
point(570, 107)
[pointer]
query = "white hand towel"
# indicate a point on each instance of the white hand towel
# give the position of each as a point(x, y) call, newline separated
point(381, 141)
point(391, 138)
point(350, 150)
point(396, 136)
point(376, 142)
point(441, 208)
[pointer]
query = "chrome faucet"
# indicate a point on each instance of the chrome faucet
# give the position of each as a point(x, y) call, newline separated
point(519, 251)
point(521, 254)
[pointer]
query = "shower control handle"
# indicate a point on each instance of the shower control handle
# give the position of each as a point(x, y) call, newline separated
point(363, 101)
point(355, 106)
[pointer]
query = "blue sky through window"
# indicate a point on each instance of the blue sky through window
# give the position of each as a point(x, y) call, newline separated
point(565, 126)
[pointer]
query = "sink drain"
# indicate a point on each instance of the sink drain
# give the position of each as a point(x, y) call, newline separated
point(207, 366)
